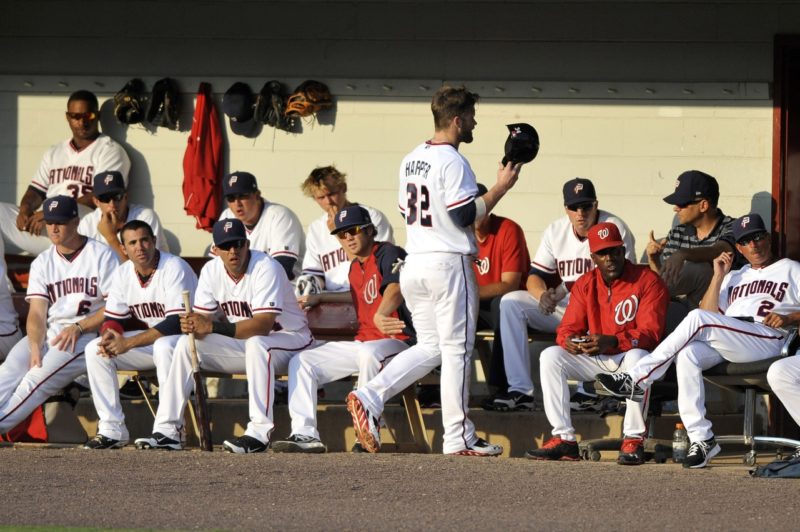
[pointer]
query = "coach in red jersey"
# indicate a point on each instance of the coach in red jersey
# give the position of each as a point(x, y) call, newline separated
point(384, 328)
point(615, 316)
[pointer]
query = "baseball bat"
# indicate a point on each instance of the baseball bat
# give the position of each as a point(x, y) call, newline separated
point(200, 397)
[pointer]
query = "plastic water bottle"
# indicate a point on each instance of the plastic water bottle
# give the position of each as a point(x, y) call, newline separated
point(680, 443)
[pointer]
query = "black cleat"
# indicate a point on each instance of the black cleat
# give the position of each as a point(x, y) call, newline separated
point(244, 445)
point(555, 449)
point(158, 441)
point(511, 401)
point(101, 442)
point(700, 452)
point(299, 443)
point(620, 385)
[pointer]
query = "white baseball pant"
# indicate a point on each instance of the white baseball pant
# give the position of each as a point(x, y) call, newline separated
point(327, 363)
point(784, 379)
point(442, 295)
point(23, 388)
point(102, 372)
point(703, 340)
point(260, 357)
point(518, 311)
point(557, 365)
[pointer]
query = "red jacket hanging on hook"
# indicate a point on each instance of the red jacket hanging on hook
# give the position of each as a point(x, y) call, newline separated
point(202, 162)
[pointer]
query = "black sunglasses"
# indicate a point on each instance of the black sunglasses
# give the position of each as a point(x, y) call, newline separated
point(758, 237)
point(587, 206)
point(684, 205)
point(352, 231)
point(105, 198)
point(90, 115)
point(234, 244)
point(230, 198)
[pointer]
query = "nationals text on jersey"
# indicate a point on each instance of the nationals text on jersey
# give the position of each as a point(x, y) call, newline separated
point(73, 285)
point(419, 168)
point(574, 267)
point(334, 258)
point(236, 308)
point(72, 173)
point(773, 288)
point(151, 309)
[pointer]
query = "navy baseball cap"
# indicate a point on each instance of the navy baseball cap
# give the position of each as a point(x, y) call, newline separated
point(108, 183)
point(228, 230)
point(578, 190)
point(60, 209)
point(352, 216)
point(239, 183)
point(692, 186)
point(238, 103)
point(522, 144)
point(747, 225)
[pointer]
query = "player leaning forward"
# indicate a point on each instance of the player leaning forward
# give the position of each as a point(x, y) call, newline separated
point(438, 199)
point(765, 291)
point(382, 328)
point(66, 292)
point(615, 314)
point(147, 288)
point(262, 329)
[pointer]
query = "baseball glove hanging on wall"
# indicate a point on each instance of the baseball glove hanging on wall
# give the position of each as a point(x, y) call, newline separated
point(308, 98)
point(129, 104)
point(271, 106)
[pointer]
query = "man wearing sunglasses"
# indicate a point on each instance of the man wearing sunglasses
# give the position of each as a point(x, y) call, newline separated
point(563, 256)
point(742, 317)
point(271, 228)
point(66, 169)
point(114, 211)
point(615, 316)
point(384, 329)
point(703, 232)
point(245, 318)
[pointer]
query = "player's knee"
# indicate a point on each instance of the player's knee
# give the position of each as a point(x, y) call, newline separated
point(777, 377)
point(552, 357)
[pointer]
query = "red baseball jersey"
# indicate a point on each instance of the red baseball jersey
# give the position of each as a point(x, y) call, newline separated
point(633, 308)
point(504, 250)
point(368, 280)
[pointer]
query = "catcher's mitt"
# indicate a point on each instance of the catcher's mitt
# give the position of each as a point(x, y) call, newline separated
point(128, 105)
point(308, 98)
point(271, 106)
point(163, 109)
point(307, 284)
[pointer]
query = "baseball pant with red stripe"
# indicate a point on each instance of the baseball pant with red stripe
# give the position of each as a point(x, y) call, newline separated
point(702, 340)
point(260, 357)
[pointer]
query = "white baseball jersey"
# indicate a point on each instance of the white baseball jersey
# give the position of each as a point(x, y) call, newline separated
point(65, 170)
point(325, 256)
point(88, 224)
point(562, 252)
point(434, 179)
point(74, 288)
point(264, 287)
point(8, 316)
point(159, 297)
point(757, 292)
point(277, 232)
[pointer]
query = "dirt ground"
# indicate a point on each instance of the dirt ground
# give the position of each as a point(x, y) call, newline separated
point(342, 491)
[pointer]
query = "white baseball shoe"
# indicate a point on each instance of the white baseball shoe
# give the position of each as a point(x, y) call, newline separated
point(366, 425)
point(480, 448)
point(299, 443)
point(158, 441)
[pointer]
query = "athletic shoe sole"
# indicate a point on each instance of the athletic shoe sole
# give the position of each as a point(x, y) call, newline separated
point(292, 447)
point(361, 423)
point(117, 445)
point(714, 451)
point(561, 459)
point(150, 443)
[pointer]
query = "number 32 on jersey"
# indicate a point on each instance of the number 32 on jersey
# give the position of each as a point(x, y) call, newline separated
point(418, 203)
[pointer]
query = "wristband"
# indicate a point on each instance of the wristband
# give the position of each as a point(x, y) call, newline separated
point(79, 327)
point(224, 328)
point(113, 325)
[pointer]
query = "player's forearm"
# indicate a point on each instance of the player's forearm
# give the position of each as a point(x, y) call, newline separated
point(654, 261)
point(258, 325)
point(147, 337)
point(93, 322)
point(31, 200)
point(391, 301)
point(536, 286)
point(87, 199)
point(710, 301)
point(705, 253)
point(491, 291)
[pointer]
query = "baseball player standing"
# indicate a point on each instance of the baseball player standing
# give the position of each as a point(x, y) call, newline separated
point(564, 255)
point(263, 329)
point(271, 228)
point(326, 264)
point(742, 318)
point(615, 315)
point(66, 169)
point(67, 286)
point(438, 199)
point(147, 288)
point(114, 211)
point(383, 329)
